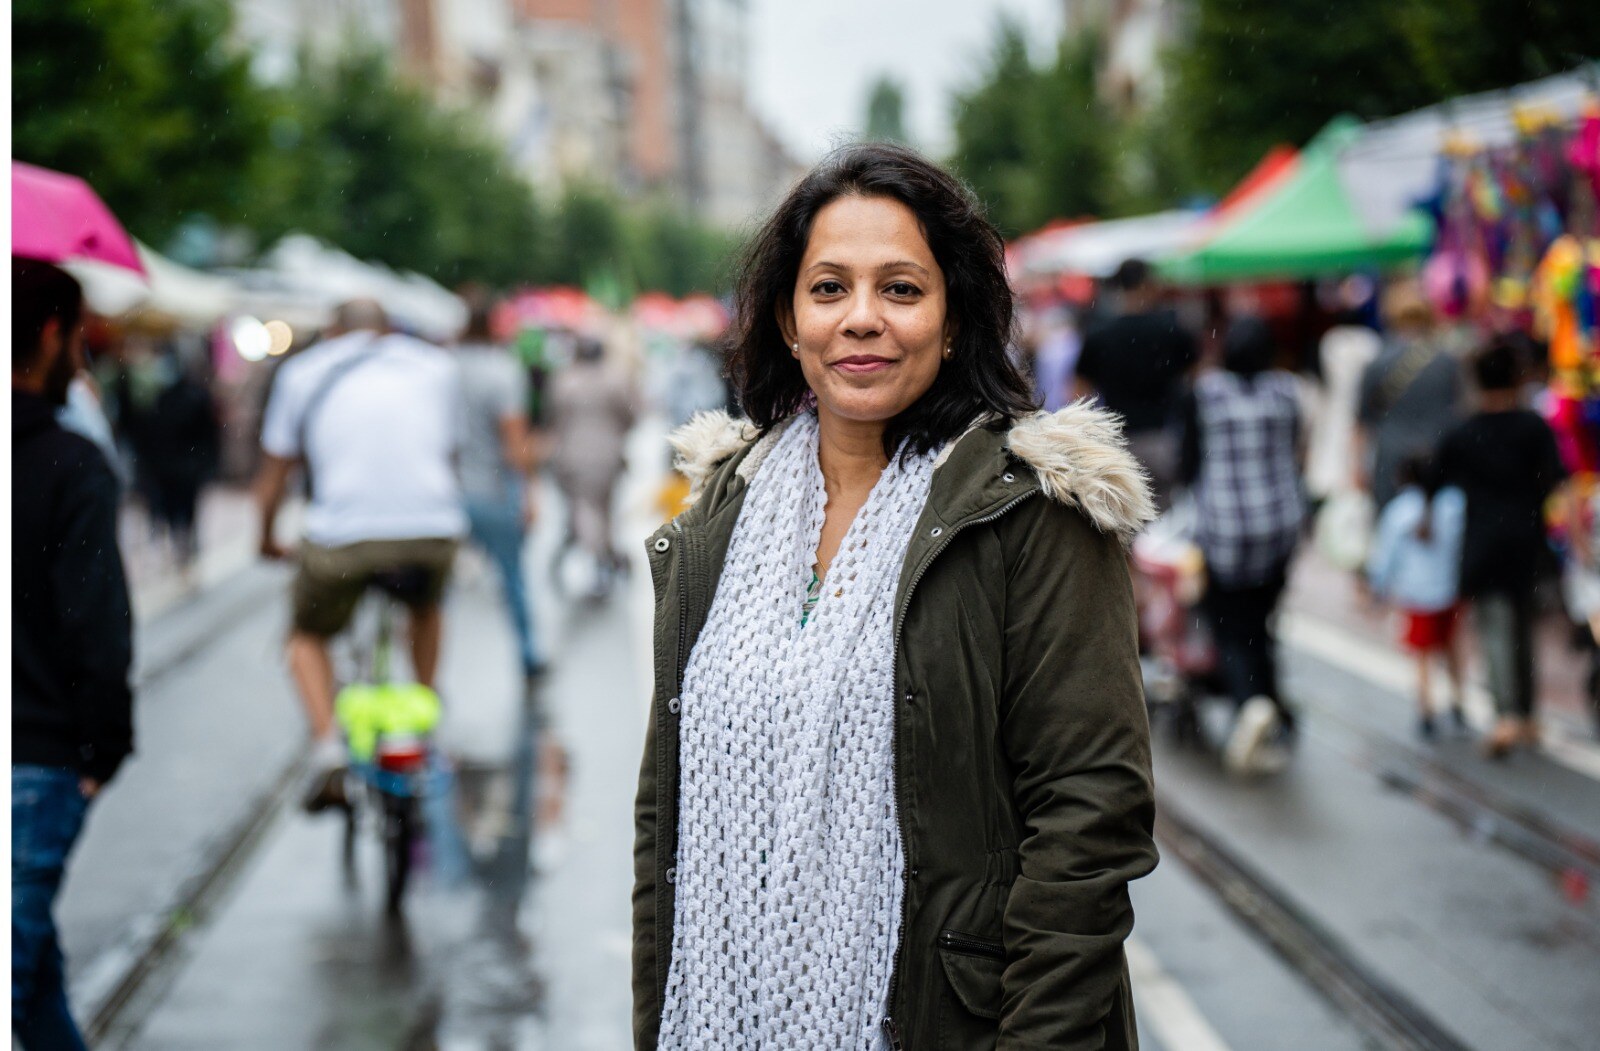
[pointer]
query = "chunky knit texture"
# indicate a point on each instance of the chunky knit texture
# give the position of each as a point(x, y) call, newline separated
point(789, 864)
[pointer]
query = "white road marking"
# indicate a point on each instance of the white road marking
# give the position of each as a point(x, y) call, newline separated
point(1394, 671)
point(1164, 1008)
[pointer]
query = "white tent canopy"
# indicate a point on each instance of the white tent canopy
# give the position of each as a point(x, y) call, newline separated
point(170, 293)
point(1395, 163)
point(1097, 249)
point(303, 271)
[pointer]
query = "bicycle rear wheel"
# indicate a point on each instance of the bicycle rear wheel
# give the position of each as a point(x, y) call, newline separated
point(399, 835)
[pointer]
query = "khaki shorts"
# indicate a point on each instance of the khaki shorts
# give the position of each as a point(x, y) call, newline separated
point(331, 580)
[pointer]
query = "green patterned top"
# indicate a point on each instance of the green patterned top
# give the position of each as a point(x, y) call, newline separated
point(813, 592)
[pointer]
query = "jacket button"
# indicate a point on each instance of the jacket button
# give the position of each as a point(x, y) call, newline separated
point(674, 706)
point(662, 543)
point(1008, 478)
point(672, 874)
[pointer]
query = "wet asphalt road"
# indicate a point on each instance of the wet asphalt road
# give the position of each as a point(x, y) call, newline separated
point(521, 941)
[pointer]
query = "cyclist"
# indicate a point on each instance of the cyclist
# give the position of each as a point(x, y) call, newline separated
point(372, 415)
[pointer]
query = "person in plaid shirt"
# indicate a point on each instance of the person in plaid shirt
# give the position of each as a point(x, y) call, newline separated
point(1241, 460)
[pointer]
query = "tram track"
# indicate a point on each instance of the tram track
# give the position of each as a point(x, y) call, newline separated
point(1388, 1017)
point(1568, 856)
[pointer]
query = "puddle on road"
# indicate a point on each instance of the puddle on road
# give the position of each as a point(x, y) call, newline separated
point(487, 994)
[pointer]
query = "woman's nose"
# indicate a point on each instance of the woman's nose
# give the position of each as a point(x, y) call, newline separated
point(863, 318)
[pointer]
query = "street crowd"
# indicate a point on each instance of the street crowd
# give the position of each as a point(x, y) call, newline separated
point(1409, 451)
point(402, 449)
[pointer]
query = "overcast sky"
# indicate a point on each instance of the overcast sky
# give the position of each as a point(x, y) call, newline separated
point(814, 61)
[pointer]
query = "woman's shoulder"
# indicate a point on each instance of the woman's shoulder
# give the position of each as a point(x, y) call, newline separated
point(1078, 456)
point(1080, 460)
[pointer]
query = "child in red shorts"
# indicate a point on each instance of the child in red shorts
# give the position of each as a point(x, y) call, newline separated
point(1415, 564)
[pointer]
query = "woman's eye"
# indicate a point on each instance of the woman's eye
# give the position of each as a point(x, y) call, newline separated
point(827, 288)
point(903, 288)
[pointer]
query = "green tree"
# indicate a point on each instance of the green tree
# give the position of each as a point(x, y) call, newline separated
point(1069, 139)
point(145, 101)
point(149, 103)
point(1034, 142)
point(991, 132)
point(372, 165)
point(886, 118)
point(589, 238)
point(1259, 72)
point(676, 255)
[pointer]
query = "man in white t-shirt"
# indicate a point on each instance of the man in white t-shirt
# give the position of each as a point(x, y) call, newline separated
point(373, 416)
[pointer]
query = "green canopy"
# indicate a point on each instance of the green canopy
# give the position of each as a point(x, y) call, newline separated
point(1306, 227)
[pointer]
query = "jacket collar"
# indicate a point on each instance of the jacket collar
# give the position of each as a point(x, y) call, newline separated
point(1076, 456)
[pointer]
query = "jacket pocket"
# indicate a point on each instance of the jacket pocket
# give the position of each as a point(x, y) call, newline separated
point(974, 967)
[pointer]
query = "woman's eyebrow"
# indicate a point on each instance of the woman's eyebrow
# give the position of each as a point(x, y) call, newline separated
point(898, 264)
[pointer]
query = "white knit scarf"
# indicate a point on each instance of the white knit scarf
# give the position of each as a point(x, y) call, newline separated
point(789, 865)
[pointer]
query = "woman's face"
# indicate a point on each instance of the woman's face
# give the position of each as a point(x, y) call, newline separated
point(868, 311)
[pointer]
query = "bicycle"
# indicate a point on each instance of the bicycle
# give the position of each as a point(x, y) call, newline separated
point(388, 728)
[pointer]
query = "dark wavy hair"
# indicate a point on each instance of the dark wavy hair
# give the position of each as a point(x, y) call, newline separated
point(978, 380)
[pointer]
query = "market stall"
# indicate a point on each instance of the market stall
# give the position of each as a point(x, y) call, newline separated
point(309, 275)
point(1303, 225)
point(169, 297)
point(1097, 249)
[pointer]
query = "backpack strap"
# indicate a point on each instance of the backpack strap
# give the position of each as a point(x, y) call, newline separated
point(1402, 373)
point(371, 352)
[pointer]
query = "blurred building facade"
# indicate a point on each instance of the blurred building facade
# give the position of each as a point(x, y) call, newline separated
point(641, 97)
point(1136, 35)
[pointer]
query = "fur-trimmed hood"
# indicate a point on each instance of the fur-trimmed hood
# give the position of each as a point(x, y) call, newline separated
point(1078, 454)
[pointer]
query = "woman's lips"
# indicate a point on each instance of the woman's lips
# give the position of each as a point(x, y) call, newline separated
point(860, 363)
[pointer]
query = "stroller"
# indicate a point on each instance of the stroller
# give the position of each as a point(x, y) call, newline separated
point(1178, 657)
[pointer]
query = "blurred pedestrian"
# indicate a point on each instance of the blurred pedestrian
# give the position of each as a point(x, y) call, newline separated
point(1136, 364)
point(1504, 458)
point(694, 383)
point(183, 440)
point(1416, 564)
point(497, 462)
point(1344, 352)
point(592, 407)
point(71, 641)
point(1241, 458)
point(1055, 360)
point(373, 416)
point(1410, 394)
point(897, 777)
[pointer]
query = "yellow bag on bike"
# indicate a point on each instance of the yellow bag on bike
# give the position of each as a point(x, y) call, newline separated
point(368, 711)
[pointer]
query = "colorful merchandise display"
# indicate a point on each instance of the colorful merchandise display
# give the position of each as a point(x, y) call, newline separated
point(1519, 249)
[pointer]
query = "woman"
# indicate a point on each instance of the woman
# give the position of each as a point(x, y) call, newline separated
point(1241, 459)
point(591, 412)
point(897, 778)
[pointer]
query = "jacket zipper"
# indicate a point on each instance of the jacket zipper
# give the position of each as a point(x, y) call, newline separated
point(677, 691)
point(683, 610)
point(891, 1027)
point(970, 945)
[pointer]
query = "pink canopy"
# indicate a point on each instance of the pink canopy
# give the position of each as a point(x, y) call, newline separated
point(57, 218)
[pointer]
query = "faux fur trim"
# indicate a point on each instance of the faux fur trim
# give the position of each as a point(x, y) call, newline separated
point(705, 441)
point(1082, 460)
point(1079, 454)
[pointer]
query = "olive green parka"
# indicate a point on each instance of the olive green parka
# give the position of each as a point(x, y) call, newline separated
point(1022, 753)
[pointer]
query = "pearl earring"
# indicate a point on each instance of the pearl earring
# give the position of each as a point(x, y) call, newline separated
point(947, 350)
